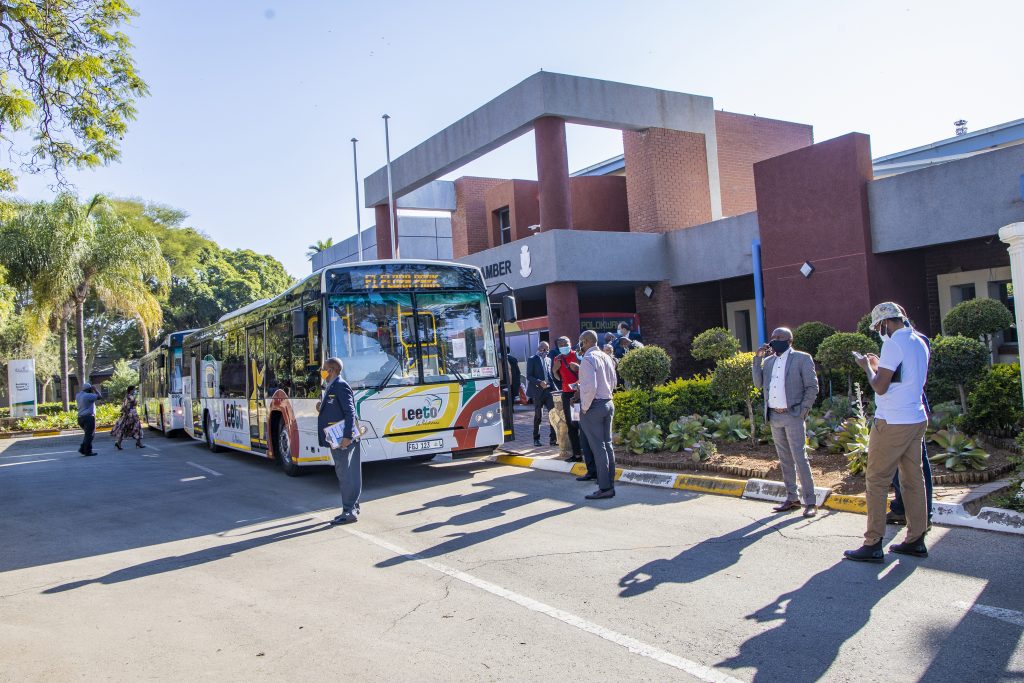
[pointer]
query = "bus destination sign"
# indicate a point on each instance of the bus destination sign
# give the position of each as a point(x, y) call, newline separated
point(403, 276)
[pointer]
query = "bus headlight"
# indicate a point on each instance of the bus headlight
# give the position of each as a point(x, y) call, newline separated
point(485, 417)
point(177, 411)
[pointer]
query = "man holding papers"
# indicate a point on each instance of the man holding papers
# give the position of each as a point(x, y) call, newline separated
point(336, 426)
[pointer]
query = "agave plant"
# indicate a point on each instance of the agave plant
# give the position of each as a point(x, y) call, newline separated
point(685, 432)
point(711, 421)
point(764, 433)
point(732, 428)
point(854, 435)
point(959, 451)
point(818, 432)
point(644, 438)
point(702, 451)
point(943, 416)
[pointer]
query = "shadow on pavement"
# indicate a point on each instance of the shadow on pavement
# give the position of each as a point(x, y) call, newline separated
point(176, 562)
point(702, 560)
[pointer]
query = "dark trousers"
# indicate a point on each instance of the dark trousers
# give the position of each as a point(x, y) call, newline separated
point(348, 466)
point(88, 425)
point(588, 455)
point(544, 400)
point(574, 427)
point(897, 503)
point(597, 425)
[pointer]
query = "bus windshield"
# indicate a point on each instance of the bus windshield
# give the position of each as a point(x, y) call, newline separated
point(389, 338)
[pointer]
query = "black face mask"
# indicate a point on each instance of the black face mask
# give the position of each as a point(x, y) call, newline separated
point(779, 346)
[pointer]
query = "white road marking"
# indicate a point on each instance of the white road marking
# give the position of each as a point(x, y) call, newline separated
point(147, 455)
point(205, 469)
point(635, 646)
point(193, 478)
point(1008, 615)
point(33, 455)
point(28, 462)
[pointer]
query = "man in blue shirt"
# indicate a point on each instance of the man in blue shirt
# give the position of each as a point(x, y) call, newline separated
point(86, 401)
point(338, 405)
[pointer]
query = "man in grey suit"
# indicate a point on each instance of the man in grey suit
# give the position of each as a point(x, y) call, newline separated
point(789, 385)
point(539, 385)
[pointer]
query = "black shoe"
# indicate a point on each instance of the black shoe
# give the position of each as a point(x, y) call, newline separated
point(601, 493)
point(139, 444)
point(587, 477)
point(866, 553)
point(787, 506)
point(86, 455)
point(552, 442)
point(117, 445)
point(896, 518)
point(536, 442)
point(344, 518)
point(916, 547)
point(574, 458)
point(810, 511)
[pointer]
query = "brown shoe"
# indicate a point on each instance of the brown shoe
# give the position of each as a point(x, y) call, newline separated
point(787, 506)
point(810, 510)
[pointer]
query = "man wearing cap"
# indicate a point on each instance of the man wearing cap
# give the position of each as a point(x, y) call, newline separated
point(86, 402)
point(790, 385)
point(898, 379)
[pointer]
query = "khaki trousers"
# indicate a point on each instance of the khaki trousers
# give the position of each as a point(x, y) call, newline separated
point(892, 447)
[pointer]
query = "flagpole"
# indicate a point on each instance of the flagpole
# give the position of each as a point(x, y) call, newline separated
point(359, 227)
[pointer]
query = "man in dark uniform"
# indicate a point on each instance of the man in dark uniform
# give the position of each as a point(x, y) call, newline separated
point(338, 405)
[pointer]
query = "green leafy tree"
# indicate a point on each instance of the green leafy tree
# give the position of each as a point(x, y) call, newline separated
point(836, 354)
point(978, 319)
point(733, 381)
point(318, 246)
point(958, 360)
point(808, 337)
point(68, 81)
point(645, 368)
point(124, 378)
point(864, 327)
point(715, 344)
point(994, 404)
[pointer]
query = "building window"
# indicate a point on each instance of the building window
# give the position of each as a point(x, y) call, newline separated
point(504, 226)
point(741, 318)
point(962, 293)
point(992, 283)
point(1004, 292)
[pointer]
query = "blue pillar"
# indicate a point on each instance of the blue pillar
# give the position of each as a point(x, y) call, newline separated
point(755, 253)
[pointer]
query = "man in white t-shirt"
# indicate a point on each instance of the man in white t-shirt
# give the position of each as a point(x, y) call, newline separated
point(898, 379)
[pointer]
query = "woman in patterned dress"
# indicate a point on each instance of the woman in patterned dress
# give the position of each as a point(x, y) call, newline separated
point(128, 424)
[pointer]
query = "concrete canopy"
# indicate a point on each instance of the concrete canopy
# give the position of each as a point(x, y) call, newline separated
point(575, 99)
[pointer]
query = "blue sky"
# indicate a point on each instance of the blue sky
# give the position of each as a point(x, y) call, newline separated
point(253, 104)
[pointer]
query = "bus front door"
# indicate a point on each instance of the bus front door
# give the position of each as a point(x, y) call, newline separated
point(256, 376)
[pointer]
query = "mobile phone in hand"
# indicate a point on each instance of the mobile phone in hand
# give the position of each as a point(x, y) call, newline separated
point(857, 355)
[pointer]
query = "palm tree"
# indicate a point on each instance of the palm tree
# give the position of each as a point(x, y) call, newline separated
point(318, 246)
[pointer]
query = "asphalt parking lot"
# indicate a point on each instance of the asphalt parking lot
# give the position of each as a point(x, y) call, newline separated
point(172, 562)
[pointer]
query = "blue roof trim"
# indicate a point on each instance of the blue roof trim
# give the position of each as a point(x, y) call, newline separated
point(603, 167)
point(962, 144)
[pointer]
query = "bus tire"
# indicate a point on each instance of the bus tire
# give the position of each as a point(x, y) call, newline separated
point(214, 448)
point(283, 447)
point(423, 458)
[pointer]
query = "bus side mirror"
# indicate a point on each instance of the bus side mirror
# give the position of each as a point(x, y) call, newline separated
point(298, 323)
point(508, 309)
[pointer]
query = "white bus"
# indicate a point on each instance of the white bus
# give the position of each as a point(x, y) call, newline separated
point(160, 401)
point(417, 342)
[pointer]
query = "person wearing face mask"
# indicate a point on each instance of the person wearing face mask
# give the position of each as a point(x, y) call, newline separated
point(565, 368)
point(338, 405)
point(898, 378)
point(790, 386)
point(539, 387)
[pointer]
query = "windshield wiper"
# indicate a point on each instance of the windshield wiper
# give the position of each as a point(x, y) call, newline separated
point(387, 377)
point(448, 366)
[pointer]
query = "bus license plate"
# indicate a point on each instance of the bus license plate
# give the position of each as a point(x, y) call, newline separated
point(433, 444)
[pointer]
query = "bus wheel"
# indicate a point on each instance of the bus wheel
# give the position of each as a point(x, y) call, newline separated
point(283, 448)
point(422, 458)
point(209, 436)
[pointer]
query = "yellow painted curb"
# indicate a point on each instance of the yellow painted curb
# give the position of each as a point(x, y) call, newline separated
point(719, 485)
point(47, 432)
point(857, 504)
point(516, 460)
point(618, 473)
point(578, 469)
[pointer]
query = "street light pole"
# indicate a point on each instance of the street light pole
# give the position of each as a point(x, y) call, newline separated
point(359, 227)
point(392, 210)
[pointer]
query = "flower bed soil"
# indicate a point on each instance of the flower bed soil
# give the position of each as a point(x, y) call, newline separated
point(829, 469)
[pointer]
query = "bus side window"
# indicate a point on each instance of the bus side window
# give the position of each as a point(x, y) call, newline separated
point(232, 374)
point(279, 338)
point(312, 350)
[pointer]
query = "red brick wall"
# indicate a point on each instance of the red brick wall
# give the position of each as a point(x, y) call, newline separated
point(671, 318)
point(599, 203)
point(743, 141)
point(520, 196)
point(666, 180)
point(470, 221)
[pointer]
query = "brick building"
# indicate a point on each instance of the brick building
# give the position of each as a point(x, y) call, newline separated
point(669, 232)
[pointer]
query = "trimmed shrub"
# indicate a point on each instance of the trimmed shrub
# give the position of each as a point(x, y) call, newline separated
point(958, 362)
point(977, 318)
point(864, 327)
point(836, 354)
point(715, 344)
point(808, 337)
point(733, 381)
point(632, 406)
point(123, 378)
point(995, 403)
point(687, 397)
point(645, 368)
